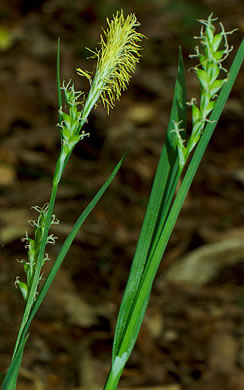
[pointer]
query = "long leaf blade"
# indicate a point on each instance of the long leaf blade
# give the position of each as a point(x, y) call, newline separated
point(137, 313)
point(59, 82)
point(168, 162)
point(58, 262)
point(10, 379)
point(156, 257)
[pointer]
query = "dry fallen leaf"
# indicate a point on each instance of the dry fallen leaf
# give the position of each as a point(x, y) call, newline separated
point(203, 264)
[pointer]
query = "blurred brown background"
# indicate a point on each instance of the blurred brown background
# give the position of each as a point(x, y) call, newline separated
point(193, 334)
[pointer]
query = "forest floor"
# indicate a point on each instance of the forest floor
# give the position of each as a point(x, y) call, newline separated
point(193, 334)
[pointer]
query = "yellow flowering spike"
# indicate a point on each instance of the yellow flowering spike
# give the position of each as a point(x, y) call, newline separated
point(117, 56)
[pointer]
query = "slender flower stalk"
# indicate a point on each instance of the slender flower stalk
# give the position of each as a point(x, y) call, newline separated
point(117, 57)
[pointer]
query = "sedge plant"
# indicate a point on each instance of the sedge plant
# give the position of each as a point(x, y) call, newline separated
point(164, 205)
point(116, 57)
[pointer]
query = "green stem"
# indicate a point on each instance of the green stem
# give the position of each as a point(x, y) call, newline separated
point(36, 277)
point(112, 383)
point(115, 372)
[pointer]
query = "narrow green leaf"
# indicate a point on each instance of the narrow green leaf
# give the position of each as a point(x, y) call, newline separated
point(65, 248)
point(164, 182)
point(36, 277)
point(200, 149)
point(156, 255)
point(178, 111)
point(63, 251)
point(59, 81)
point(178, 114)
point(32, 293)
point(10, 379)
point(136, 315)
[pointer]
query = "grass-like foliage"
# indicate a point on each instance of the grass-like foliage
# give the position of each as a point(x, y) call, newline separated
point(116, 57)
point(162, 211)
